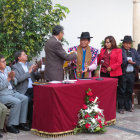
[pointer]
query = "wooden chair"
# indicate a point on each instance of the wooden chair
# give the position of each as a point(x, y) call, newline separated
point(136, 88)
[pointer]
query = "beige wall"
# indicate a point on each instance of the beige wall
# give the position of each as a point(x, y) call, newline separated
point(136, 22)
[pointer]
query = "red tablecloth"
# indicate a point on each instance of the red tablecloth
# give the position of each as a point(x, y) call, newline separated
point(56, 105)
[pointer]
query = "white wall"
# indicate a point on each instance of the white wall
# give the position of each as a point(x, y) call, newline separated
point(100, 17)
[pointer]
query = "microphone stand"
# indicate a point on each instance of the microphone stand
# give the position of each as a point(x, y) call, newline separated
point(99, 79)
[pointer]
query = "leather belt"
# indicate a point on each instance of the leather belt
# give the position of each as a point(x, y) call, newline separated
point(130, 72)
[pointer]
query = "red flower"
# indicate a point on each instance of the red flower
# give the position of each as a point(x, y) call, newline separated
point(99, 120)
point(91, 99)
point(90, 93)
point(87, 116)
point(105, 123)
point(84, 106)
point(96, 117)
point(87, 125)
point(74, 124)
point(101, 126)
point(100, 114)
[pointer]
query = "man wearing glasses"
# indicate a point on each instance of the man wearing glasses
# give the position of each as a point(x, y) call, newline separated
point(17, 102)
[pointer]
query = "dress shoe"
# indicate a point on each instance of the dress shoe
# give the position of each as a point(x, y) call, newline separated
point(130, 110)
point(12, 129)
point(23, 127)
point(121, 111)
point(1, 136)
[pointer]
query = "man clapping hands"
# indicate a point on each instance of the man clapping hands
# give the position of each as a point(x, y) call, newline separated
point(17, 102)
point(26, 74)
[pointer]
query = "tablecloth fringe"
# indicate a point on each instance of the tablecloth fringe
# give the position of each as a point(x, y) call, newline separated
point(52, 135)
point(61, 134)
point(111, 122)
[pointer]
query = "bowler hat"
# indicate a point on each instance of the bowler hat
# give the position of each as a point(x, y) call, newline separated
point(127, 39)
point(85, 35)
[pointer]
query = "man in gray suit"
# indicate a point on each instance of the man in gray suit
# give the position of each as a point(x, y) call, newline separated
point(55, 56)
point(17, 102)
point(25, 74)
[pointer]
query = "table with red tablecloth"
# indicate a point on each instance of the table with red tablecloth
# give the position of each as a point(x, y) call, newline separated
point(56, 106)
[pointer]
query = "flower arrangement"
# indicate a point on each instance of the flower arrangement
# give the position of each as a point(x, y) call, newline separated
point(91, 118)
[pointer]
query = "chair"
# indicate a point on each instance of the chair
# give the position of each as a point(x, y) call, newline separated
point(136, 88)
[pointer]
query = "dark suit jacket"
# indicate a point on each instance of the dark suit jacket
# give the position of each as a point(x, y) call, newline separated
point(135, 58)
point(55, 56)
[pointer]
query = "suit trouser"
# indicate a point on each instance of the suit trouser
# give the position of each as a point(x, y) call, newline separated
point(125, 90)
point(105, 74)
point(29, 93)
point(18, 104)
point(3, 112)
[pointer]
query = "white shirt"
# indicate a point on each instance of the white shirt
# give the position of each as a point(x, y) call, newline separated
point(25, 68)
point(130, 67)
point(57, 39)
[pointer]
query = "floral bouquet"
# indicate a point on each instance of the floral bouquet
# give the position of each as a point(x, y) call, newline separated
point(91, 118)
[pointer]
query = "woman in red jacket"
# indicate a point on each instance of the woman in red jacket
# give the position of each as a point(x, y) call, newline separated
point(112, 58)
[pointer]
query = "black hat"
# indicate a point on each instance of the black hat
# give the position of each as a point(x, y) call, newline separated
point(85, 35)
point(127, 39)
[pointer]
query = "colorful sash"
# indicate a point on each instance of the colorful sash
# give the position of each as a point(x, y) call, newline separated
point(77, 70)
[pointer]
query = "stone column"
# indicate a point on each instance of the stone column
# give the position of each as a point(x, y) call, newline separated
point(136, 23)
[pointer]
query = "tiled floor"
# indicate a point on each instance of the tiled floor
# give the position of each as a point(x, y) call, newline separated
point(126, 128)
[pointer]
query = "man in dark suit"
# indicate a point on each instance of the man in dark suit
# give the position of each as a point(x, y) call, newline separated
point(126, 81)
point(55, 56)
point(25, 74)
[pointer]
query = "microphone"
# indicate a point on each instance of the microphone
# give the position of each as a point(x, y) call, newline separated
point(102, 61)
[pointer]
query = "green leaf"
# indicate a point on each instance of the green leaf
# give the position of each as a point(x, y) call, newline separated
point(87, 99)
point(97, 129)
point(25, 24)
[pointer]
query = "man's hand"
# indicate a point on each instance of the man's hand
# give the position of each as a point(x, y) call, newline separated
point(9, 77)
point(109, 69)
point(131, 62)
point(35, 67)
point(12, 75)
point(86, 69)
point(31, 69)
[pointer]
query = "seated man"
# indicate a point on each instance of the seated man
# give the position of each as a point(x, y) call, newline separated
point(25, 74)
point(3, 111)
point(86, 57)
point(17, 102)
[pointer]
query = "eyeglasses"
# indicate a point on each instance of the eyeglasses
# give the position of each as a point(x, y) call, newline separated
point(107, 42)
point(4, 61)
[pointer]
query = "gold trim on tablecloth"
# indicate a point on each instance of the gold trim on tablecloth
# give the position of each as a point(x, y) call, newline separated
point(65, 133)
point(111, 122)
point(54, 135)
